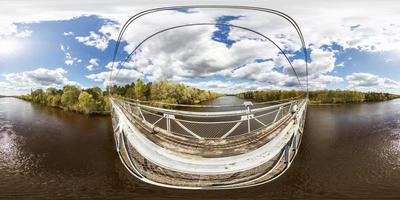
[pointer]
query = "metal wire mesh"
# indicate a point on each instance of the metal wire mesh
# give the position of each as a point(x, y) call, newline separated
point(214, 127)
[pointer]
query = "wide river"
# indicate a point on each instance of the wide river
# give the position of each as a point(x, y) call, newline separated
point(348, 152)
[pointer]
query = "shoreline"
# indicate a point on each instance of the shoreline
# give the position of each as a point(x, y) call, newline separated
point(107, 113)
point(99, 113)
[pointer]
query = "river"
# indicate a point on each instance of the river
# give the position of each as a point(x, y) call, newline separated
point(348, 151)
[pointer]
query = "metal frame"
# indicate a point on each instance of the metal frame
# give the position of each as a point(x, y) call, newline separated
point(289, 151)
point(246, 115)
point(289, 123)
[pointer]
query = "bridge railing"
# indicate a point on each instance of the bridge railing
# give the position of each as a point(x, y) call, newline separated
point(217, 124)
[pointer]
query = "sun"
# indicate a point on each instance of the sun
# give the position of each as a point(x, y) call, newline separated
point(9, 46)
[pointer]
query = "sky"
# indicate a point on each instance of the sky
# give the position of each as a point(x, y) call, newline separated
point(351, 45)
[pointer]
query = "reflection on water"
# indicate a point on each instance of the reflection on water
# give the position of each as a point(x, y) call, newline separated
point(348, 151)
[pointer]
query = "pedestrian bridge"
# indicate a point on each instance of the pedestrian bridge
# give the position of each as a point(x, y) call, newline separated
point(177, 146)
point(214, 146)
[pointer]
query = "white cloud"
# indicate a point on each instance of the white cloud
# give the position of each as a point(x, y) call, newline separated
point(111, 67)
point(100, 40)
point(375, 31)
point(323, 61)
point(90, 67)
point(24, 33)
point(231, 87)
point(12, 30)
point(93, 62)
point(110, 30)
point(371, 28)
point(94, 40)
point(179, 56)
point(363, 80)
point(317, 82)
point(69, 60)
point(70, 33)
point(340, 64)
point(371, 82)
point(119, 77)
point(387, 60)
point(38, 78)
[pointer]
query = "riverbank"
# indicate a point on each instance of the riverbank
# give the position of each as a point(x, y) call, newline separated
point(320, 97)
point(104, 113)
point(95, 101)
point(52, 154)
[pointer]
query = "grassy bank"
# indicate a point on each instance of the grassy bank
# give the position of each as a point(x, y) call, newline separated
point(320, 97)
point(95, 101)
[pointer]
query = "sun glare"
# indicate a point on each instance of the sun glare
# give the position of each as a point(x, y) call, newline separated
point(9, 46)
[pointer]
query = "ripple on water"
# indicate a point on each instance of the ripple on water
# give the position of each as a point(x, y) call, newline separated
point(8, 146)
point(13, 159)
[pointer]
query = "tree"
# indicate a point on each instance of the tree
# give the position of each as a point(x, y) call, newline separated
point(51, 91)
point(69, 99)
point(54, 101)
point(140, 90)
point(87, 104)
point(38, 96)
point(106, 106)
point(95, 92)
point(98, 96)
point(130, 92)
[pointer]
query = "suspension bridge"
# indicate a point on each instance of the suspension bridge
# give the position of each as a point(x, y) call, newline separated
point(208, 146)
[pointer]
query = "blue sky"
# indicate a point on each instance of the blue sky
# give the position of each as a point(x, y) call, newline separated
point(352, 53)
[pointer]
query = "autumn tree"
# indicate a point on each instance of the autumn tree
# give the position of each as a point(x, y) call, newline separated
point(70, 96)
point(86, 104)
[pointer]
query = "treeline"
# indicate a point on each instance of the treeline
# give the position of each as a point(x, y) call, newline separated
point(164, 91)
point(320, 96)
point(94, 100)
point(72, 98)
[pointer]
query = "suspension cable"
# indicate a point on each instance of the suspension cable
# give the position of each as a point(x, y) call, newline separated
point(266, 10)
point(205, 24)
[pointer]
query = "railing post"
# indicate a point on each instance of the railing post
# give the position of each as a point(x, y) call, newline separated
point(168, 117)
point(295, 140)
point(168, 123)
point(277, 114)
point(291, 104)
point(248, 121)
point(248, 104)
point(287, 153)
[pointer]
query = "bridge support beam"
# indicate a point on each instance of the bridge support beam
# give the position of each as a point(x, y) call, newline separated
point(287, 152)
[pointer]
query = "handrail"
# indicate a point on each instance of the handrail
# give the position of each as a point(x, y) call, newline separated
point(210, 114)
point(209, 106)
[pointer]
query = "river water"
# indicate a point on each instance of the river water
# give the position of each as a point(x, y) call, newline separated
point(348, 152)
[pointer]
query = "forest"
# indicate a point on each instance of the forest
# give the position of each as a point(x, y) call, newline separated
point(164, 91)
point(319, 96)
point(95, 101)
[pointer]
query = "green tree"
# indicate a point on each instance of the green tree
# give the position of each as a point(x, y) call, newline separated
point(54, 101)
point(140, 90)
point(87, 104)
point(38, 96)
point(106, 106)
point(69, 98)
point(51, 91)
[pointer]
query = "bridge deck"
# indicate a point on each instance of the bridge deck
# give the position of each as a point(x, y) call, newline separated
point(163, 158)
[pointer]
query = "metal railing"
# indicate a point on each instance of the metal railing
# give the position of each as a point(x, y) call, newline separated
point(217, 124)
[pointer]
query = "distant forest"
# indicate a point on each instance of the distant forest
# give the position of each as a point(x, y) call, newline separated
point(319, 96)
point(95, 101)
